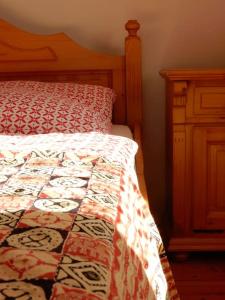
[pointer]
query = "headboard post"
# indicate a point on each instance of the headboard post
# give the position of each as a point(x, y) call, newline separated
point(133, 74)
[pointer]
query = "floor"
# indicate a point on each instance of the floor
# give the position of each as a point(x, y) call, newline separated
point(201, 277)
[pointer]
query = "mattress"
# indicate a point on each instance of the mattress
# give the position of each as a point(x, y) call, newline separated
point(122, 130)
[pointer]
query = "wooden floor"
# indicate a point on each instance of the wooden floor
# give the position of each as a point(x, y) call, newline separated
point(201, 277)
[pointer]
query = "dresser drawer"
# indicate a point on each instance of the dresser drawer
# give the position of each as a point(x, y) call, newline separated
point(207, 102)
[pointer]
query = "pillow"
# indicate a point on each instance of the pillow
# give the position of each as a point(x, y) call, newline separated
point(31, 107)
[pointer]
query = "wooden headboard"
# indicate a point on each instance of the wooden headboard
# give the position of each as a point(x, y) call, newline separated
point(57, 57)
point(28, 56)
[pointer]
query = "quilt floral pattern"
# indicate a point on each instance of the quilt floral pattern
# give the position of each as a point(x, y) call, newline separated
point(73, 224)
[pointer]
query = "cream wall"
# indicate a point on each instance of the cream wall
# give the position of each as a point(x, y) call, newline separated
point(175, 33)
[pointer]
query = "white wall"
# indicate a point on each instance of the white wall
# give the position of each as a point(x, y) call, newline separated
point(175, 33)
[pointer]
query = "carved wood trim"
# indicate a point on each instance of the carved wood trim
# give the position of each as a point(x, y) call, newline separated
point(180, 93)
point(179, 178)
point(193, 74)
point(9, 53)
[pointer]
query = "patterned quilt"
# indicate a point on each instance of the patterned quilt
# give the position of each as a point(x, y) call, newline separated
point(73, 224)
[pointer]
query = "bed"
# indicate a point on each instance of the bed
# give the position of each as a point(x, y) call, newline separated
point(74, 213)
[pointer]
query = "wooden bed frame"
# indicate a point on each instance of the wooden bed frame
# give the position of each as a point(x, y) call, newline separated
point(28, 56)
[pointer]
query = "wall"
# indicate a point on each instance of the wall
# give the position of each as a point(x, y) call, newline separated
point(175, 33)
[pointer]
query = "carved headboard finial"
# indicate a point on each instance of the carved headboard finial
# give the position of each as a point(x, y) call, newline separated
point(133, 74)
point(132, 26)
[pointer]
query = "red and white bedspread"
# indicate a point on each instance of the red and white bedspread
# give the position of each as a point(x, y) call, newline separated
point(73, 224)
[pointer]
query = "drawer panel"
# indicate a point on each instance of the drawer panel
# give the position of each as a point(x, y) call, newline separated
point(209, 101)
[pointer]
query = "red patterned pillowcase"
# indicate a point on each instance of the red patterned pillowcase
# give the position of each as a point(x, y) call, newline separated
point(30, 107)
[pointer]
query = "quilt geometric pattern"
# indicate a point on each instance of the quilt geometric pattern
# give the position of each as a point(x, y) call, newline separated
point(74, 226)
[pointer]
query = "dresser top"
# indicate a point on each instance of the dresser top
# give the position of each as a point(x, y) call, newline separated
point(193, 74)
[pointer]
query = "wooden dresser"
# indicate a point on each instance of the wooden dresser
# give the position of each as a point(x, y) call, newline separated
point(196, 159)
